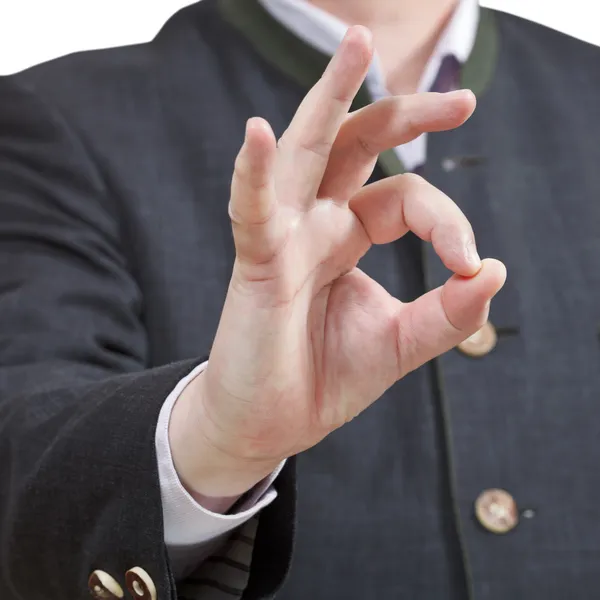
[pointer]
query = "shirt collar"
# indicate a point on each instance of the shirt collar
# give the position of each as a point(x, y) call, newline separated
point(324, 32)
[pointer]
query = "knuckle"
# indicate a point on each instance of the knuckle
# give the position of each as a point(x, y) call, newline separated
point(317, 146)
point(342, 98)
point(410, 127)
point(387, 110)
point(414, 180)
point(234, 216)
point(329, 88)
point(245, 177)
point(313, 143)
point(365, 146)
point(254, 218)
point(392, 106)
point(404, 112)
point(241, 169)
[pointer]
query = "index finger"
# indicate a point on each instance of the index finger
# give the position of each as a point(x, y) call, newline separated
point(391, 207)
point(308, 140)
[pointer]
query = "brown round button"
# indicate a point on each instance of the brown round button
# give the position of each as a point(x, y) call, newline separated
point(140, 584)
point(104, 587)
point(482, 342)
point(497, 511)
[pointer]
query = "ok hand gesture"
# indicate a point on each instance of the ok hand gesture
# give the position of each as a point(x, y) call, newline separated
point(307, 340)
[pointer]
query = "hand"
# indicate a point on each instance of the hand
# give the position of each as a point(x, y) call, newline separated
point(306, 340)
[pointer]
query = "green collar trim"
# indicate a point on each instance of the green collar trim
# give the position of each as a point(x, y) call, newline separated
point(478, 71)
point(304, 64)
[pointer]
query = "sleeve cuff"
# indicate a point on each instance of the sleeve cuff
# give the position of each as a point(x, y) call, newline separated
point(187, 523)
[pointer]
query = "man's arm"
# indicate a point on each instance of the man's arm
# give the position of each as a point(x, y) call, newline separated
point(195, 526)
point(78, 408)
point(306, 341)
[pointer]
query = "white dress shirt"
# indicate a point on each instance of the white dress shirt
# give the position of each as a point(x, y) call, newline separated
point(193, 533)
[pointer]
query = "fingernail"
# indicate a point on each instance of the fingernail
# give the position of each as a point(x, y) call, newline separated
point(249, 124)
point(472, 254)
point(359, 30)
point(463, 92)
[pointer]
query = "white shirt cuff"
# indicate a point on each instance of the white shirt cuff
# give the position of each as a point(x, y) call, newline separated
point(191, 531)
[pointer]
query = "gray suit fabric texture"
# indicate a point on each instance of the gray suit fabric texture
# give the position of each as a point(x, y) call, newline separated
point(115, 256)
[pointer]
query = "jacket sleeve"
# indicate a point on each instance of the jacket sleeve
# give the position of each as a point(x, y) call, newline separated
point(78, 405)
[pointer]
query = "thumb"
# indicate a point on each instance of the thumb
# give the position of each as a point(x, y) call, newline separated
point(444, 317)
point(252, 206)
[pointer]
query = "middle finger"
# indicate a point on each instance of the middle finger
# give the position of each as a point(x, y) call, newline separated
point(383, 125)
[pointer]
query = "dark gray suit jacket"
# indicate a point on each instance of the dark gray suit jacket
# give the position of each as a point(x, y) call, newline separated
point(115, 254)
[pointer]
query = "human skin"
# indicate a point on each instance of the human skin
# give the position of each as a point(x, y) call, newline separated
point(306, 340)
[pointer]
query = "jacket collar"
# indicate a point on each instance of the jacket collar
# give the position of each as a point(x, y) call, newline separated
point(304, 64)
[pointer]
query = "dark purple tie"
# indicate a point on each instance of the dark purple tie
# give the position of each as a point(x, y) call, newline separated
point(448, 77)
point(447, 80)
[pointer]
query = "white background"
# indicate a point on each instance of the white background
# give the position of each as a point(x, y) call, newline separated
point(35, 30)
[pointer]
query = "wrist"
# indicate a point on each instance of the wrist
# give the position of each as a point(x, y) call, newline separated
point(215, 477)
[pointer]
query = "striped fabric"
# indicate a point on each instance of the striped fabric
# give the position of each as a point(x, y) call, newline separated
point(224, 576)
